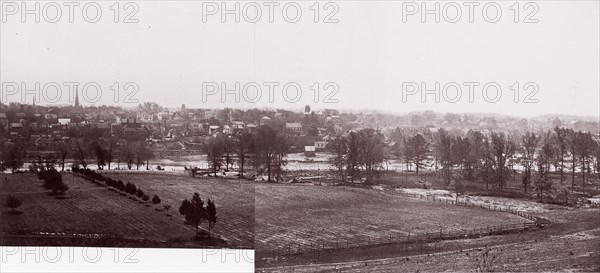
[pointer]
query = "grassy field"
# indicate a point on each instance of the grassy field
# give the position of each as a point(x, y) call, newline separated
point(92, 209)
point(300, 214)
point(571, 246)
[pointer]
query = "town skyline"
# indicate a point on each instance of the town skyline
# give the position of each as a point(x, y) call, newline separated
point(132, 106)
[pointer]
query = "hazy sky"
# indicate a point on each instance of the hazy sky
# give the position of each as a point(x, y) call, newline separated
point(367, 55)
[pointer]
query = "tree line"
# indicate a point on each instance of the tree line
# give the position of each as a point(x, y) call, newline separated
point(264, 150)
point(492, 158)
point(104, 152)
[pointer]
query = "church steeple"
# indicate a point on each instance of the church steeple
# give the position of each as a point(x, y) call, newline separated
point(76, 98)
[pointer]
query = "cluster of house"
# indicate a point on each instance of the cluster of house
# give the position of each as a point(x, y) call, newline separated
point(42, 129)
point(190, 126)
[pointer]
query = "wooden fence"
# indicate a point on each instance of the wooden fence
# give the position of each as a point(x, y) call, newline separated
point(409, 241)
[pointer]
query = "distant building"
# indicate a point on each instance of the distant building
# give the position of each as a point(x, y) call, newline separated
point(320, 145)
point(227, 130)
point(210, 113)
point(265, 120)
point(251, 127)
point(64, 121)
point(293, 127)
point(16, 129)
point(3, 120)
point(333, 119)
point(213, 129)
point(238, 125)
point(133, 130)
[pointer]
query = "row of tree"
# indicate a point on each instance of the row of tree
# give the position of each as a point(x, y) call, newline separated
point(195, 212)
point(358, 154)
point(265, 150)
point(492, 158)
point(105, 151)
point(129, 188)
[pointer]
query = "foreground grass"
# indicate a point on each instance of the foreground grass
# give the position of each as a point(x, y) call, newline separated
point(94, 210)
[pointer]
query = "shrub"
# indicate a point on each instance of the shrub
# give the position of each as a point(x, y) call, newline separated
point(484, 260)
point(139, 193)
point(146, 197)
point(120, 186)
point(155, 199)
point(59, 188)
point(130, 188)
point(185, 207)
point(53, 181)
point(194, 211)
point(211, 215)
point(13, 202)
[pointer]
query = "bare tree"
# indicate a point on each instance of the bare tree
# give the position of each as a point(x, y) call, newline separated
point(528, 145)
point(560, 140)
point(12, 156)
point(584, 146)
point(80, 153)
point(228, 151)
point(63, 150)
point(476, 155)
point(245, 146)
point(443, 148)
point(353, 154)
point(501, 149)
point(270, 150)
point(417, 149)
point(543, 181)
point(99, 153)
point(339, 150)
point(372, 151)
point(213, 148)
point(127, 156)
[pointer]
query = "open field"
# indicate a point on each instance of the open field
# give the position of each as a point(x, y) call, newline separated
point(567, 246)
point(234, 199)
point(305, 215)
point(92, 209)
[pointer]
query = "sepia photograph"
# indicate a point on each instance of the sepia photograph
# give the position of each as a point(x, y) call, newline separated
point(300, 136)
